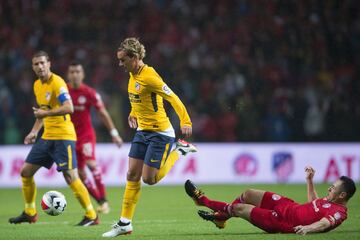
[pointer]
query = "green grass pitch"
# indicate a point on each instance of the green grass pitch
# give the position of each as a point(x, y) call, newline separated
point(164, 212)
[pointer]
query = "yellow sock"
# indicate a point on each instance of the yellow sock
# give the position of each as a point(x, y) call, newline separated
point(29, 194)
point(130, 199)
point(167, 165)
point(82, 194)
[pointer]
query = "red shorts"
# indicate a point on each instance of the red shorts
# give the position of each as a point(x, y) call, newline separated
point(269, 216)
point(85, 151)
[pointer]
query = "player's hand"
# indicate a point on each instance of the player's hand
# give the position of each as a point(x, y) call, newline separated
point(132, 122)
point(39, 113)
point(301, 230)
point(118, 141)
point(310, 172)
point(30, 138)
point(186, 130)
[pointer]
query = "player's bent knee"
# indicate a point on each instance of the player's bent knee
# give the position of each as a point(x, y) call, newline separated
point(26, 173)
point(149, 181)
point(247, 194)
point(238, 209)
point(133, 176)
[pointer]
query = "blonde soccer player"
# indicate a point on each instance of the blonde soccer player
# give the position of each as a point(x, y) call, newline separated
point(151, 156)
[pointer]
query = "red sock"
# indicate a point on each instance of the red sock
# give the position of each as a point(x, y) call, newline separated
point(92, 190)
point(96, 172)
point(214, 205)
point(238, 200)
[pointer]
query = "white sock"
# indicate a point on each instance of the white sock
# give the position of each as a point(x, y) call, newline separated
point(125, 220)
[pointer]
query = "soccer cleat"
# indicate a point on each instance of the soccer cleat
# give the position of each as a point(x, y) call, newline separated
point(103, 208)
point(185, 147)
point(85, 222)
point(218, 218)
point(119, 228)
point(23, 217)
point(193, 192)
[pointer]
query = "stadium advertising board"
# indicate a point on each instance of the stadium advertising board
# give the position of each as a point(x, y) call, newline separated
point(214, 163)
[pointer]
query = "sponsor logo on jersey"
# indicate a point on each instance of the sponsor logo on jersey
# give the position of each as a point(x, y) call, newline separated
point(245, 165)
point(314, 206)
point(166, 90)
point(283, 165)
point(47, 96)
point(326, 205)
point(276, 197)
point(82, 99)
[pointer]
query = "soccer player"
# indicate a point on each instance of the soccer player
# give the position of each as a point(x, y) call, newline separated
point(150, 156)
point(85, 97)
point(57, 143)
point(274, 213)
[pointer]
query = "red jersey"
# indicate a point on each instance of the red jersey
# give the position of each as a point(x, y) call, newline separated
point(308, 213)
point(83, 99)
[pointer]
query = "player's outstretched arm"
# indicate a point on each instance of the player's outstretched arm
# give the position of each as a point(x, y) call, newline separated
point(311, 192)
point(31, 137)
point(109, 124)
point(319, 226)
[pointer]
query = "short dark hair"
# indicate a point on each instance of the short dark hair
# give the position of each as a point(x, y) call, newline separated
point(348, 186)
point(75, 63)
point(41, 53)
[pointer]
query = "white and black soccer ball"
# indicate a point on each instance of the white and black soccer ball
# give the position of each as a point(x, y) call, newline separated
point(53, 203)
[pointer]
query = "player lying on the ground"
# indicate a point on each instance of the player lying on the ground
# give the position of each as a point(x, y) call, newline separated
point(274, 213)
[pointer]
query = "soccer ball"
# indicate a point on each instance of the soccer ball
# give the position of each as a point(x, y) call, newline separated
point(53, 203)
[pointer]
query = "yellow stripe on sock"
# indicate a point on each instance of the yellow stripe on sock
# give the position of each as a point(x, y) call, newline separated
point(69, 150)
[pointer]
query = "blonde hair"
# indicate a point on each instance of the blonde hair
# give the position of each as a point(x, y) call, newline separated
point(133, 47)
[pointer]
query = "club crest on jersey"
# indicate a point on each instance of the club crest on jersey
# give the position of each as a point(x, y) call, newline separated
point(337, 216)
point(137, 86)
point(166, 90)
point(82, 99)
point(47, 96)
point(326, 205)
point(276, 197)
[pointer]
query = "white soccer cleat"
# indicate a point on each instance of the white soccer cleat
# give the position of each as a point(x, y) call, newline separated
point(185, 147)
point(119, 229)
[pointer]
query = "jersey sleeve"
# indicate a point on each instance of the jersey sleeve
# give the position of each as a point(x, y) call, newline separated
point(61, 91)
point(335, 217)
point(96, 100)
point(158, 86)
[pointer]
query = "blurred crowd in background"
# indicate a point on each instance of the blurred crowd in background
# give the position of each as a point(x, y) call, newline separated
point(247, 70)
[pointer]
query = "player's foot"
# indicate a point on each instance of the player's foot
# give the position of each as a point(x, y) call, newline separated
point(194, 192)
point(23, 217)
point(103, 208)
point(185, 147)
point(119, 228)
point(85, 222)
point(218, 218)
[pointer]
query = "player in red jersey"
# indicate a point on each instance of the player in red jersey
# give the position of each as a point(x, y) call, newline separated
point(274, 213)
point(85, 97)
